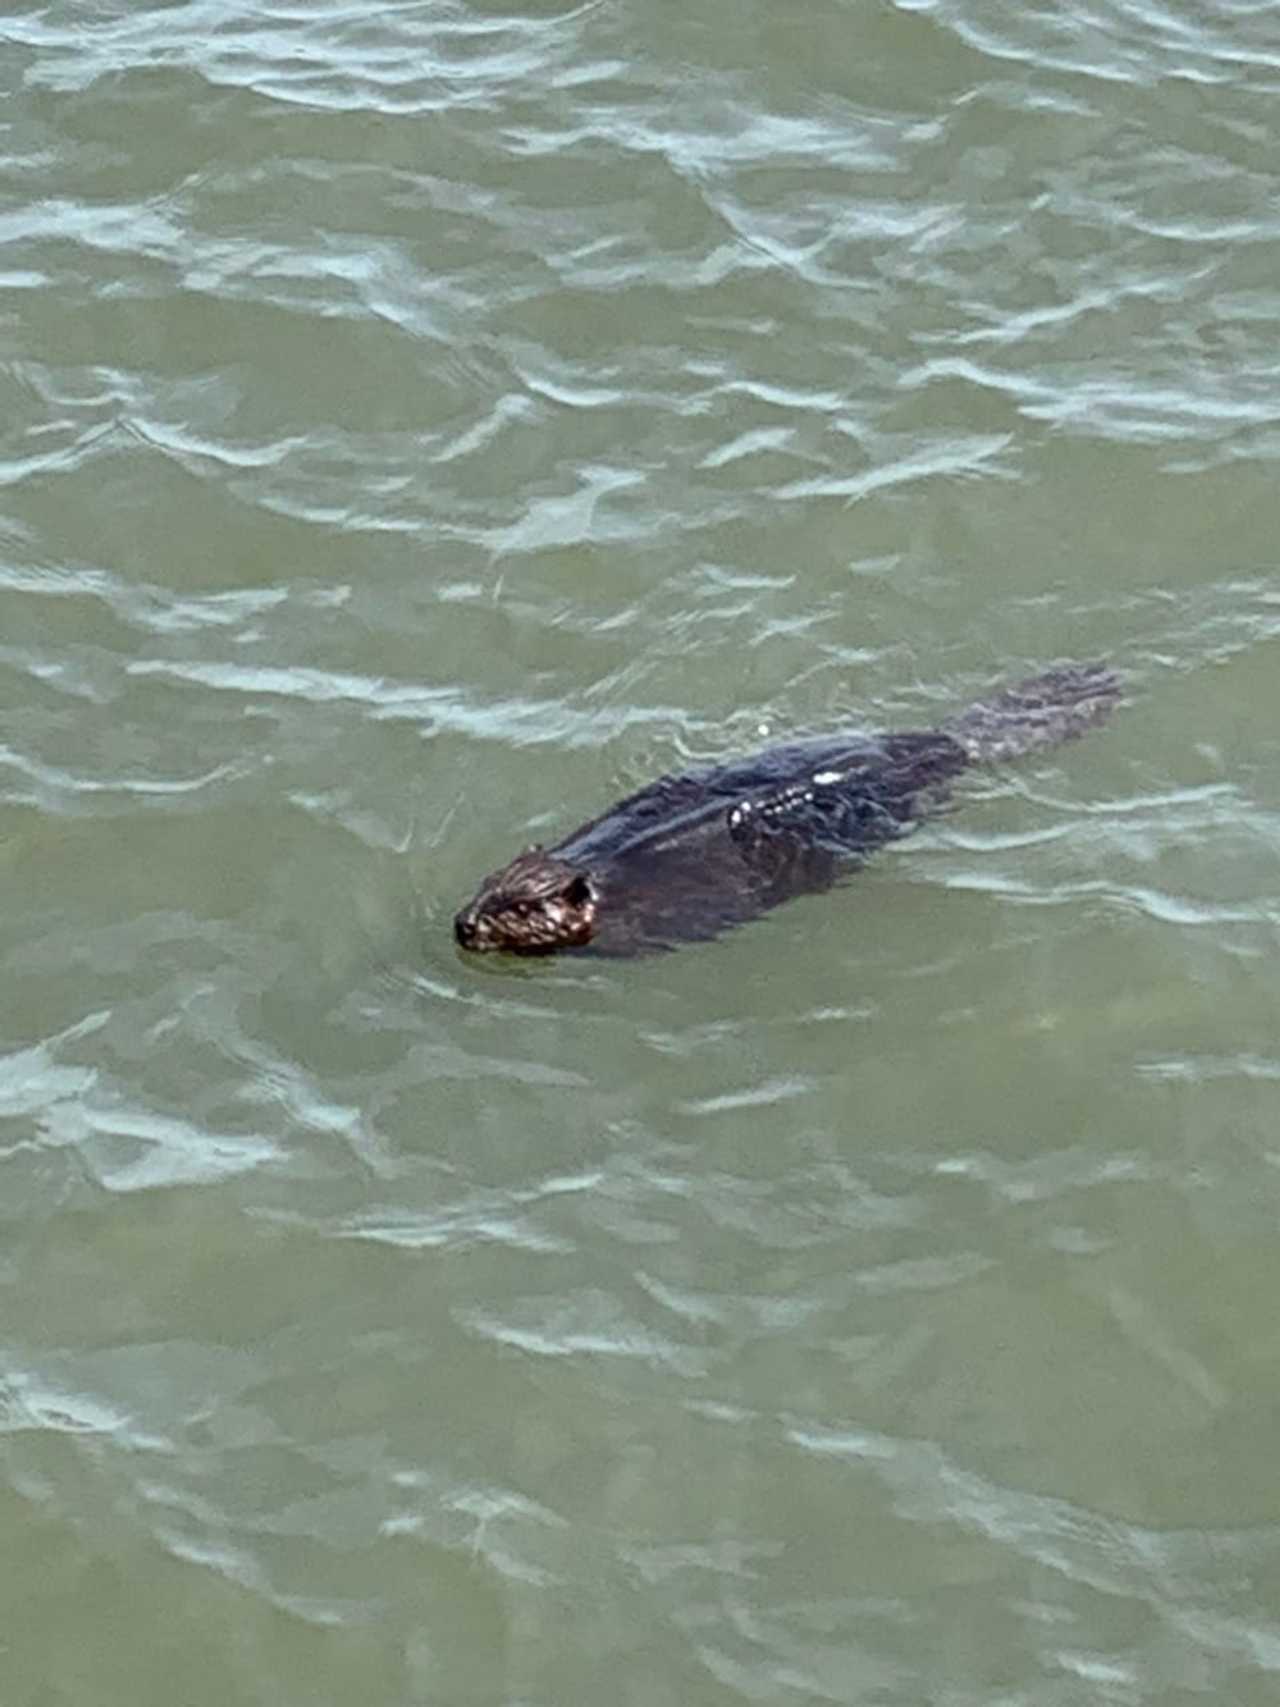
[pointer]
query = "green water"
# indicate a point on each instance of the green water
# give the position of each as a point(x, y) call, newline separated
point(420, 424)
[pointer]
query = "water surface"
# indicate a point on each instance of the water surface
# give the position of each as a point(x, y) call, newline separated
point(420, 424)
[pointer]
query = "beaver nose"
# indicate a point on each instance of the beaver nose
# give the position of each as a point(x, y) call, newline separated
point(464, 928)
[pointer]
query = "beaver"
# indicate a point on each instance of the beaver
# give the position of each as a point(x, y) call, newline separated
point(690, 856)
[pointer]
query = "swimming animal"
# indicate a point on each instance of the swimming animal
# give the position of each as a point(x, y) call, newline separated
point(691, 856)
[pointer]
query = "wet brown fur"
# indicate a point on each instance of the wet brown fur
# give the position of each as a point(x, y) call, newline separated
point(690, 856)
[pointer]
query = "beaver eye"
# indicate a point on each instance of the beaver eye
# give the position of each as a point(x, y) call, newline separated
point(578, 893)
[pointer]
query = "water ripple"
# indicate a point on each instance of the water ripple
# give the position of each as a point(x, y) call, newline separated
point(420, 424)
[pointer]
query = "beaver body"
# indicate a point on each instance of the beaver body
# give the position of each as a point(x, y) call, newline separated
point(691, 856)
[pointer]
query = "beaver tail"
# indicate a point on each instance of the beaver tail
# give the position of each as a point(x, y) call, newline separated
point(1037, 713)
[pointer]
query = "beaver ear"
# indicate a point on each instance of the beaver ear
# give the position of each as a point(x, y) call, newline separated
point(578, 891)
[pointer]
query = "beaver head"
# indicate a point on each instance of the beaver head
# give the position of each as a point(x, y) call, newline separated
point(535, 905)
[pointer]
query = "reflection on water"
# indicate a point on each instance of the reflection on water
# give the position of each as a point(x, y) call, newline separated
point(421, 424)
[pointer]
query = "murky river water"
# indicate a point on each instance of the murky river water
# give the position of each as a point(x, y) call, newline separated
point(420, 423)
